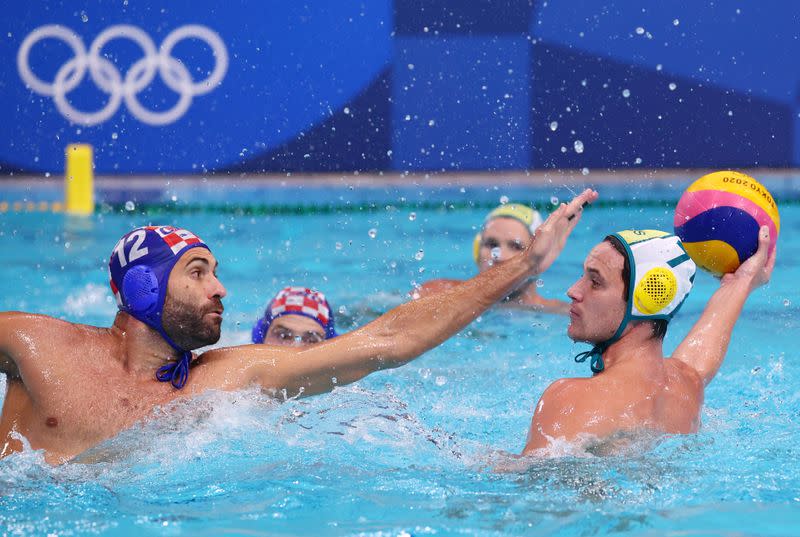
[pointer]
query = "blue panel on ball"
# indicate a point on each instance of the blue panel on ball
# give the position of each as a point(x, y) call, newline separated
point(727, 224)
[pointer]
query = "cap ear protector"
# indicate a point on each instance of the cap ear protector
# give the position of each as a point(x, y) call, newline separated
point(655, 290)
point(140, 289)
point(530, 218)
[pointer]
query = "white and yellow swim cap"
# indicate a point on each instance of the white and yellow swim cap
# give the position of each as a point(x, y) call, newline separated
point(662, 274)
point(519, 212)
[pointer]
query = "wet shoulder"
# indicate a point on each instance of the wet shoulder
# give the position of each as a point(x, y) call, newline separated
point(683, 375)
point(228, 368)
point(568, 389)
point(25, 326)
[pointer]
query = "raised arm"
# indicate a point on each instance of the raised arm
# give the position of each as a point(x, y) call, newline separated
point(408, 330)
point(705, 346)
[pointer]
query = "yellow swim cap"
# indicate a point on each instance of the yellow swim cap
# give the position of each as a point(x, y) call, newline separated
point(521, 213)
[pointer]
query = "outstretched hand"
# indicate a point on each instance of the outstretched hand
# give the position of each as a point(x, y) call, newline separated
point(551, 236)
point(757, 269)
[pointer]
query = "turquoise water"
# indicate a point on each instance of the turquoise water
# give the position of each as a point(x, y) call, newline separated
point(414, 450)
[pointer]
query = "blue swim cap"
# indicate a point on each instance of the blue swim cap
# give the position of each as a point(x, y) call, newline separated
point(139, 269)
point(296, 301)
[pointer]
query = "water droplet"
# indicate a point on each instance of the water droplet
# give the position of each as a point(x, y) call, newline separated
point(334, 380)
point(563, 149)
point(441, 380)
point(84, 16)
point(787, 302)
point(540, 283)
point(730, 113)
point(431, 123)
point(672, 86)
point(372, 233)
point(639, 30)
point(419, 255)
point(626, 93)
point(346, 110)
point(130, 206)
point(578, 146)
point(343, 310)
point(659, 67)
point(553, 125)
point(503, 200)
point(676, 22)
point(338, 245)
point(585, 171)
point(407, 118)
point(424, 372)
point(553, 200)
point(496, 253)
point(412, 216)
point(638, 160)
point(410, 66)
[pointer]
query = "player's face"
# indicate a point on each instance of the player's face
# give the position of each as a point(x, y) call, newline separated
point(598, 301)
point(193, 308)
point(501, 239)
point(294, 330)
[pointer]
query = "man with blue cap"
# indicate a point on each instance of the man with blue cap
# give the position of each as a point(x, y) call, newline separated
point(72, 386)
point(633, 283)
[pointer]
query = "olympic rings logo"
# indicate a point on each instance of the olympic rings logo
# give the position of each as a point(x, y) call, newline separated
point(108, 78)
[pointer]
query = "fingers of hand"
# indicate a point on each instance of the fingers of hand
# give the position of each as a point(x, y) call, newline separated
point(579, 202)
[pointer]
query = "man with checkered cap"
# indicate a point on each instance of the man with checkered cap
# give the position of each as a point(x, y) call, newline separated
point(295, 316)
point(72, 386)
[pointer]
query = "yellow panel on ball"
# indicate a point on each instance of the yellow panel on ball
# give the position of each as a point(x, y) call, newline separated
point(717, 257)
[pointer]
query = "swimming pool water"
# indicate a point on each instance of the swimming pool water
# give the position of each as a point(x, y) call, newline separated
point(417, 450)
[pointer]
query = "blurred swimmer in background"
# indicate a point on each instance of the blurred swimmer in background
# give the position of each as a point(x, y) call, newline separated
point(506, 231)
point(296, 316)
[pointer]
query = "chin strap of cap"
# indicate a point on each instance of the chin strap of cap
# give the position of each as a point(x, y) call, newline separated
point(596, 355)
point(176, 372)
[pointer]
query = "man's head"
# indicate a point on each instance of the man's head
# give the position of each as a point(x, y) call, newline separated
point(296, 316)
point(192, 314)
point(634, 275)
point(166, 278)
point(506, 231)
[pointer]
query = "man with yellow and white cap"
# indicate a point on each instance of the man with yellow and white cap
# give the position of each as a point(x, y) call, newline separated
point(633, 283)
point(505, 233)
